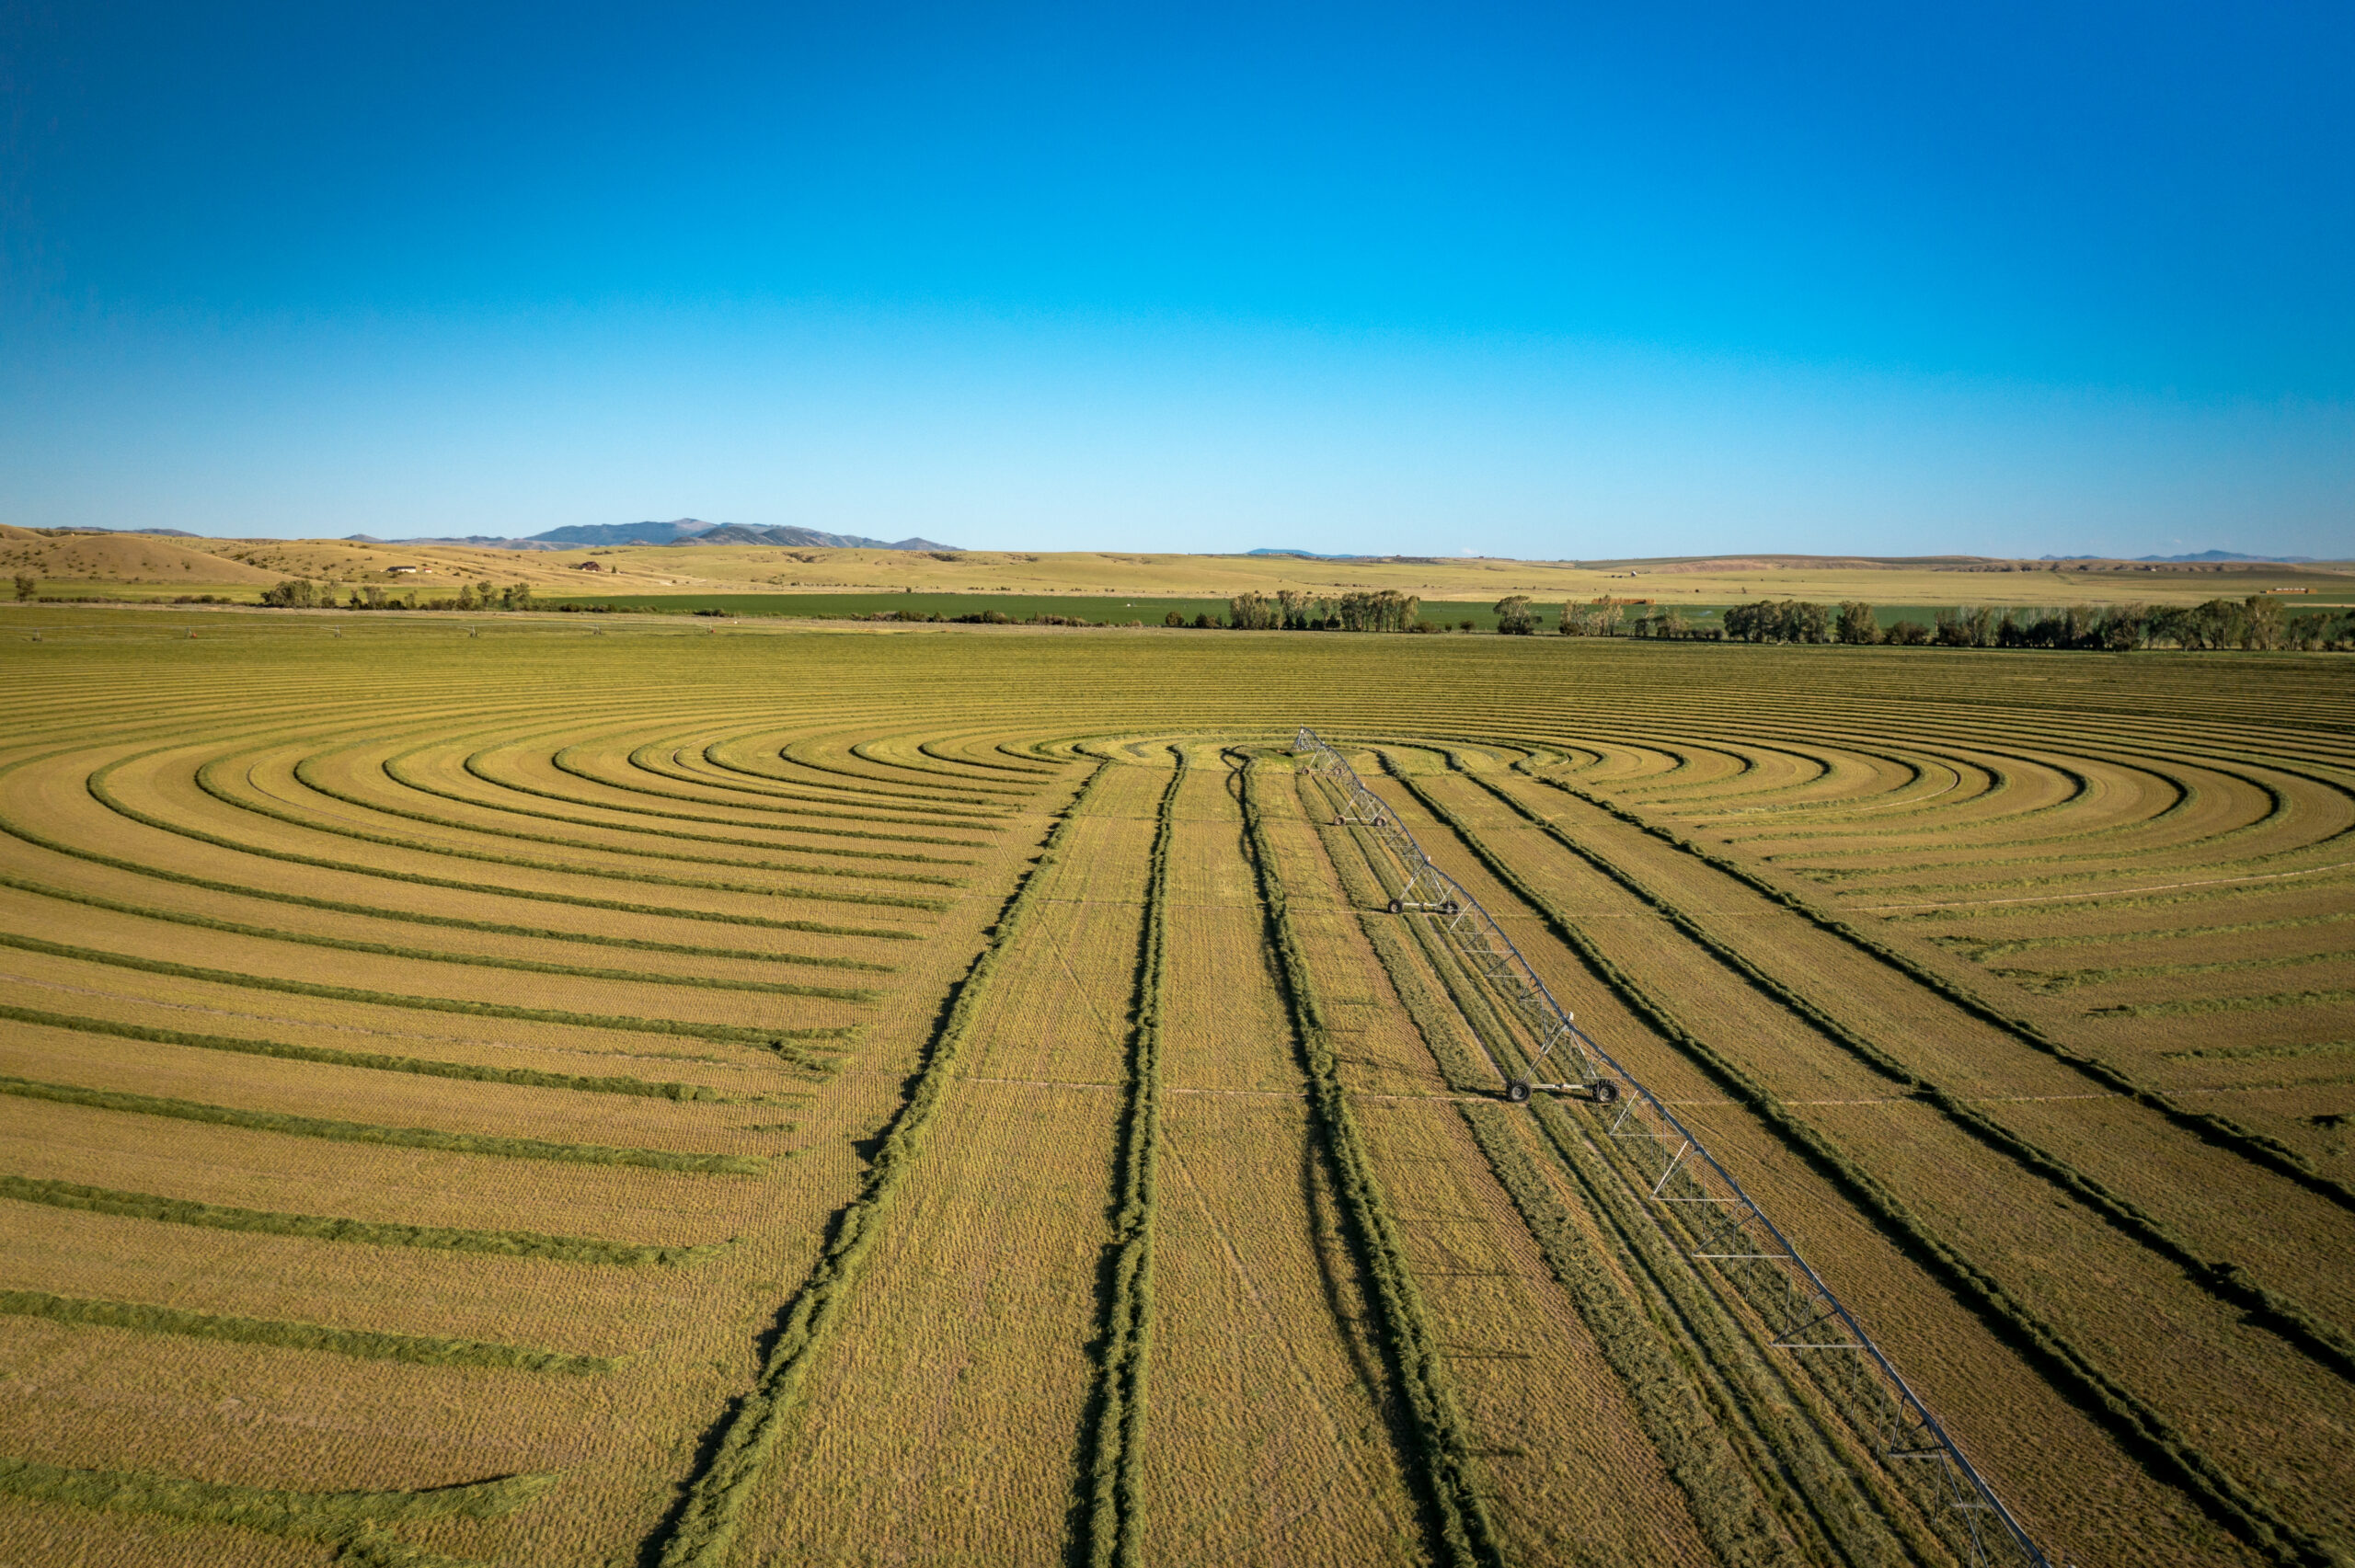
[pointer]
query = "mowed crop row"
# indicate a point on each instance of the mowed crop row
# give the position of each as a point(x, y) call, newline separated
point(663, 1069)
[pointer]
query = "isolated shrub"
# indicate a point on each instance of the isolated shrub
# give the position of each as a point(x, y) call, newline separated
point(25, 586)
point(1514, 617)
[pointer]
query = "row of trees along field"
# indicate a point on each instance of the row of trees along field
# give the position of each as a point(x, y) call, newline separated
point(2260, 623)
point(1291, 610)
point(299, 593)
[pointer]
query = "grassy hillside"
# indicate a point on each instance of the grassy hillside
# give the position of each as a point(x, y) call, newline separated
point(142, 567)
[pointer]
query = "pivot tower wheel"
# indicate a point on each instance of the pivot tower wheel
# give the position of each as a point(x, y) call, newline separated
point(1605, 1092)
point(1397, 908)
point(1517, 1091)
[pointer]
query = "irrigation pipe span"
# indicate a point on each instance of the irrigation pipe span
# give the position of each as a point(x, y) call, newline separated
point(1695, 1198)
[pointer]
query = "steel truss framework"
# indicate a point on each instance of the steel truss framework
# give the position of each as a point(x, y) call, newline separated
point(1695, 1198)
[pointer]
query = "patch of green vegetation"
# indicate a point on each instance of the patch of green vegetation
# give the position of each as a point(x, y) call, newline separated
point(1115, 1510)
point(704, 1530)
point(368, 1132)
point(1449, 1475)
point(329, 1228)
point(417, 1349)
point(372, 1060)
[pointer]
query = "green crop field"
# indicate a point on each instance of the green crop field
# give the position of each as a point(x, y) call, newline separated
point(551, 1088)
point(1098, 609)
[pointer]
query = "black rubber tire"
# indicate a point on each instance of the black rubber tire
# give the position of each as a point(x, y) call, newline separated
point(1448, 908)
point(1606, 1092)
point(1517, 1091)
point(1396, 907)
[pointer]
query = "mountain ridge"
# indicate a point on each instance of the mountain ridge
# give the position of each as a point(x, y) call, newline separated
point(678, 531)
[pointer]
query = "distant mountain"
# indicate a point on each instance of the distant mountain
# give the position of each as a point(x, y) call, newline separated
point(487, 541)
point(802, 538)
point(1305, 555)
point(2203, 555)
point(678, 531)
point(669, 532)
point(2231, 556)
point(159, 533)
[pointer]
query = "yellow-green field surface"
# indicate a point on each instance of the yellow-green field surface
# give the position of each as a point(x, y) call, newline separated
point(532, 1093)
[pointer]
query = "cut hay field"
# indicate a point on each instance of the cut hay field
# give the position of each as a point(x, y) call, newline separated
point(655, 1093)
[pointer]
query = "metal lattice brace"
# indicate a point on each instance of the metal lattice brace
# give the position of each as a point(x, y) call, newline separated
point(1696, 1200)
point(1468, 929)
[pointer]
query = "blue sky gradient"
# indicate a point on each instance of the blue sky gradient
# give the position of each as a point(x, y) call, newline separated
point(1545, 281)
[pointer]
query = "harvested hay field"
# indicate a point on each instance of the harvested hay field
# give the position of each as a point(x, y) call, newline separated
point(653, 1095)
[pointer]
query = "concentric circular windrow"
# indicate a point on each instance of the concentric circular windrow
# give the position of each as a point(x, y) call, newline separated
point(772, 1096)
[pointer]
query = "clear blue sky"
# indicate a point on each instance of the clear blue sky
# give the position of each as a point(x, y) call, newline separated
point(1545, 281)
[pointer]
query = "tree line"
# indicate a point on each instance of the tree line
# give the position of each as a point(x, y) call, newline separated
point(2260, 622)
point(300, 593)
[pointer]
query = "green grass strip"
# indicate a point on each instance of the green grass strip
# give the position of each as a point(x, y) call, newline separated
point(1115, 1529)
point(2195, 1007)
point(307, 773)
point(393, 769)
point(454, 922)
point(773, 1038)
point(638, 789)
point(2223, 1131)
point(1781, 1428)
point(966, 788)
point(416, 1349)
point(368, 1132)
point(703, 1532)
point(1986, 949)
point(1801, 1450)
point(351, 1521)
point(327, 1227)
point(2264, 1053)
point(2053, 982)
point(205, 781)
point(977, 819)
point(1684, 1426)
point(1450, 1477)
point(2138, 1427)
point(96, 786)
point(2230, 1282)
point(439, 955)
point(373, 1061)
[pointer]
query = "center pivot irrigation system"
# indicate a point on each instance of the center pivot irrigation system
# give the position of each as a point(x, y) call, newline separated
point(1697, 1200)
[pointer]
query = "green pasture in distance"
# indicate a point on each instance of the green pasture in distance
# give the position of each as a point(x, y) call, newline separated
point(1100, 608)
